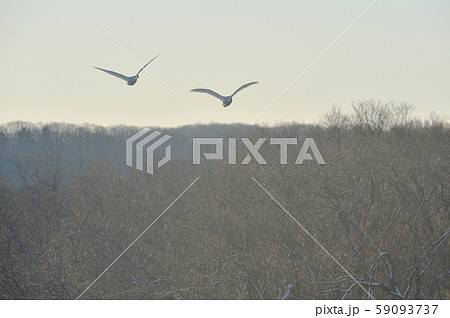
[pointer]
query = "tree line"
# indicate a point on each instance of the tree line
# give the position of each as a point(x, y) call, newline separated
point(69, 206)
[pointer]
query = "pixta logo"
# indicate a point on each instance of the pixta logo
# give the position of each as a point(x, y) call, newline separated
point(253, 150)
point(149, 140)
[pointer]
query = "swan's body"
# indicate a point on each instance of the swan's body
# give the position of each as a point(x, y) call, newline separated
point(131, 80)
point(226, 100)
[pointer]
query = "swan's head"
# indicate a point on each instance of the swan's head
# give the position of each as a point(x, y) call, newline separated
point(227, 102)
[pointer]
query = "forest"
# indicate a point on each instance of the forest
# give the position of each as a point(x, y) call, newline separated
point(372, 223)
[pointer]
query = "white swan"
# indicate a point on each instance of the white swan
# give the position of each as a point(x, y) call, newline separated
point(226, 100)
point(131, 80)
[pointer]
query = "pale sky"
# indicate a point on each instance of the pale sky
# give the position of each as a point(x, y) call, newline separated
point(399, 50)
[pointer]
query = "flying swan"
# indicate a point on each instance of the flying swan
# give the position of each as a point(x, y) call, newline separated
point(226, 100)
point(131, 80)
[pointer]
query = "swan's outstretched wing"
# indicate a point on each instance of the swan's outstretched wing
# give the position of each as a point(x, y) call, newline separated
point(147, 64)
point(242, 87)
point(207, 91)
point(125, 78)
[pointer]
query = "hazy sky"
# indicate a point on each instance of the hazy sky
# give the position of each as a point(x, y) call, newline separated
point(399, 50)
